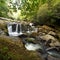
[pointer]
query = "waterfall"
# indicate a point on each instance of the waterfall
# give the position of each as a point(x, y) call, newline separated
point(9, 29)
point(14, 29)
point(20, 29)
point(17, 28)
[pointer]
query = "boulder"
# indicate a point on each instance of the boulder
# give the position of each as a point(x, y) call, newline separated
point(55, 43)
point(52, 33)
point(47, 37)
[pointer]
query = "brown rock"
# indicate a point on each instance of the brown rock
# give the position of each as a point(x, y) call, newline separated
point(48, 37)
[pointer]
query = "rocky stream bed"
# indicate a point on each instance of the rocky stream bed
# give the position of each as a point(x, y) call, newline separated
point(45, 42)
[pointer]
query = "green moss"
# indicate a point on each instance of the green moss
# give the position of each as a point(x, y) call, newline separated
point(14, 50)
point(3, 27)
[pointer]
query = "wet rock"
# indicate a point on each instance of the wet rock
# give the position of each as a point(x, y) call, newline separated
point(29, 40)
point(52, 58)
point(54, 52)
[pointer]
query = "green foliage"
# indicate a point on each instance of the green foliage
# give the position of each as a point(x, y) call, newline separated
point(56, 14)
point(4, 54)
point(38, 11)
point(3, 8)
point(48, 13)
point(29, 8)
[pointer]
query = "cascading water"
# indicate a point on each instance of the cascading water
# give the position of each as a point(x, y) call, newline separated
point(14, 29)
point(31, 46)
point(9, 29)
point(20, 29)
point(42, 49)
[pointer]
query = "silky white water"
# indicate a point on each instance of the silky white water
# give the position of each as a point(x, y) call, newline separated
point(15, 33)
point(31, 46)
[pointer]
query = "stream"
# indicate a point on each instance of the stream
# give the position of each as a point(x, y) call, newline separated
point(43, 50)
point(32, 44)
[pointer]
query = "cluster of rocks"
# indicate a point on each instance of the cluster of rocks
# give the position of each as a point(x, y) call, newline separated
point(49, 39)
point(45, 41)
point(48, 34)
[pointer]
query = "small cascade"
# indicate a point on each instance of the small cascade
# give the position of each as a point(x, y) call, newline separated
point(17, 28)
point(31, 46)
point(14, 29)
point(21, 29)
point(9, 29)
point(28, 31)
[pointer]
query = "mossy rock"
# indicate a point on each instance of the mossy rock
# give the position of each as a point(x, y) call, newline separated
point(34, 34)
point(31, 40)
